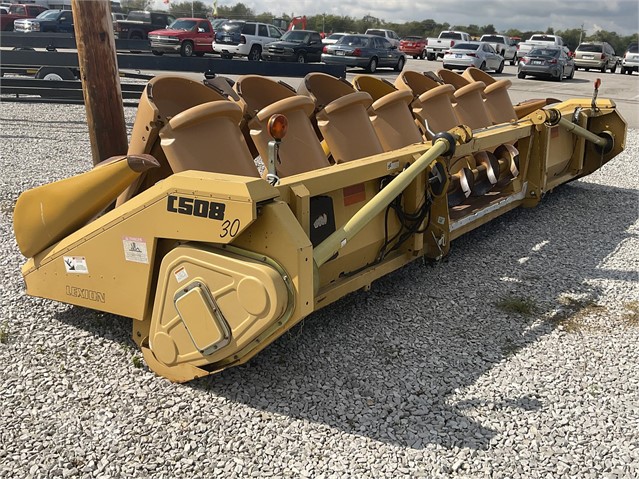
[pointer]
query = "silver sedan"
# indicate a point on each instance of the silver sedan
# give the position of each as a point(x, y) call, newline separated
point(473, 54)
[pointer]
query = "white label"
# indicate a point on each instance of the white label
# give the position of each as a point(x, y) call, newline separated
point(76, 264)
point(441, 220)
point(392, 165)
point(135, 250)
point(180, 274)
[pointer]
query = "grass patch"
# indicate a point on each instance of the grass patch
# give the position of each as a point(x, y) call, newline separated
point(632, 313)
point(517, 304)
point(4, 332)
point(575, 312)
point(137, 361)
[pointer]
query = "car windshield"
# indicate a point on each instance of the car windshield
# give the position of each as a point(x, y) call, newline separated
point(48, 14)
point(412, 39)
point(466, 46)
point(542, 38)
point(183, 25)
point(335, 36)
point(492, 38)
point(633, 49)
point(353, 41)
point(585, 47)
point(232, 26)
point(450, 35)
point(379, 33)
point(544, 52)
point(297, 36)
point(217, 23)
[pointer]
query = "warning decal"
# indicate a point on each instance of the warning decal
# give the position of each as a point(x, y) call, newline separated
point(76, 264)
point(135, 250)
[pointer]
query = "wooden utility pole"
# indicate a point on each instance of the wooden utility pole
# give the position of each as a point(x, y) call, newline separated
point(100, 78)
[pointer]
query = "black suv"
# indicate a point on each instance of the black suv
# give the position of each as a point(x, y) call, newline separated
point(299, 46)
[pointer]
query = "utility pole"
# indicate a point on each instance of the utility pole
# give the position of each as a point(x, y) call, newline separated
point(581, 32)
point(100, 78)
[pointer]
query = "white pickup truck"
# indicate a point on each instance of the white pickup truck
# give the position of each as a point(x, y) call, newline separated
point(436, 47)
point(503, 44)
point(539, 39)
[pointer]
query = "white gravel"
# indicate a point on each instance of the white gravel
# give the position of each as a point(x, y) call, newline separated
point(423, 376)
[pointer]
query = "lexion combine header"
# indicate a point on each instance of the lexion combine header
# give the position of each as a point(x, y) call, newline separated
point(214, 258)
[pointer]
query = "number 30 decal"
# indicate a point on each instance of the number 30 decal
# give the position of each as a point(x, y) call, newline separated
point(230, 228)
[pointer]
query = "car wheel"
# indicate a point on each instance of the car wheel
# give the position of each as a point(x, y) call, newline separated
point(226, 56)
point(423, 55)
point(54, 73)
point(587, 69)
point(500, 68)
point(521, 75)
point(155, 52)
point(613, 68)
point(400, 64)
point(199, 54)
point(300, 58)
point(482, 67)
point(255, 54)
point(187, 49)
point(513, 62)
point(560, 77)
point(372, 65)
point(603, 68)
point(572, 74)
point(431, 56)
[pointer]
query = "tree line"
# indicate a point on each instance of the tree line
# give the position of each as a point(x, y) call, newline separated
point(339, 23)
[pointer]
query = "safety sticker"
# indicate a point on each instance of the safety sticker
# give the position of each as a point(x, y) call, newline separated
point(392, 165)
point(76, 264)
point(135, 250)
point(180, 274)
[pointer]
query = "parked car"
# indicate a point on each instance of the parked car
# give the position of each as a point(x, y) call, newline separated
point(186, 36)
point(536, 41)
point(247, 39)
point(332, 38)
point(503, 44)
point(596, 55)
point(17, 11)
point(473, 54)
point(139, 23)
point(550, 62)
point(415, 46)
point(57, 21)
point(389, 35)
point(364, 51)
point(436, 47)
point(630, 62)
point(299, 46)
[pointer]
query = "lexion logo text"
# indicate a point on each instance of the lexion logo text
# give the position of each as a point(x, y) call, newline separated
point(97, 296)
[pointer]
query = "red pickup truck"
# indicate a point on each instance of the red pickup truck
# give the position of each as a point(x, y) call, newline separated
point(186, 36)
point(16, 11)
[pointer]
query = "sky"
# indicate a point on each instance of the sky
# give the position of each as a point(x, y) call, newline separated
point(621, 16)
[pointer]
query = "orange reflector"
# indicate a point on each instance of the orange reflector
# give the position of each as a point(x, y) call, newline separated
point(277, 126)
point(597, 83)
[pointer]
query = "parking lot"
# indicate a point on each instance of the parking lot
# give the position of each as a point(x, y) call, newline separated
point(623, 89)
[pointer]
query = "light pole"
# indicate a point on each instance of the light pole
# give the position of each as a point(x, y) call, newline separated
point(581, 32)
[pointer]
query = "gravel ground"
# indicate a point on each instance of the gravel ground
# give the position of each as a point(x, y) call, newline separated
point(427, 375)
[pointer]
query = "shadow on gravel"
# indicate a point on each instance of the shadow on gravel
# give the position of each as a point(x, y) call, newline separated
point(385, 364)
